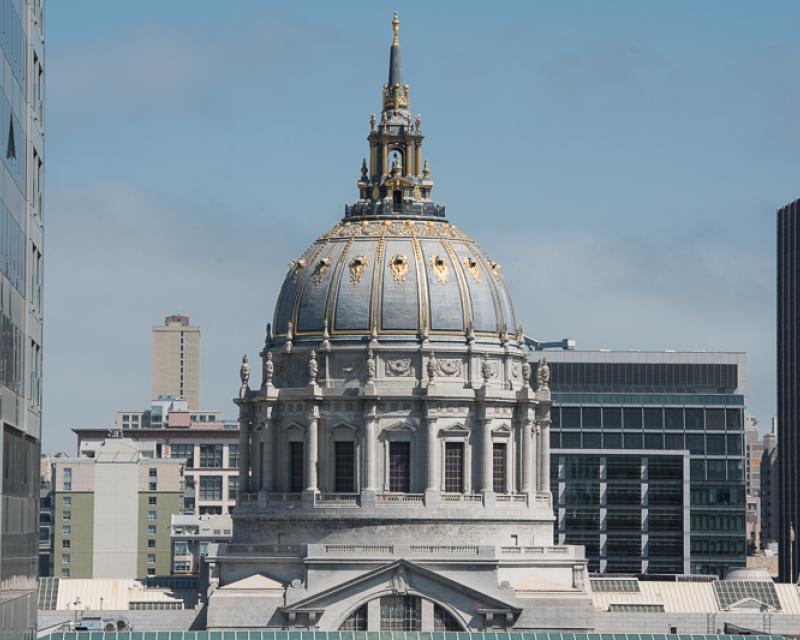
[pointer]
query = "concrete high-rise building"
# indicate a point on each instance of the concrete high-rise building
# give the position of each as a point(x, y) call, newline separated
point(176, 360)
point(21, 230)
point(788, 350)
point(112, 509)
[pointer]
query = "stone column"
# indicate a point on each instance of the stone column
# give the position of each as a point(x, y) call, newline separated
point(269, 458)
point(487, 484)
point(527, 456)
point(418, 159)
point(544, 456)
point(369, 443)
point(244, 452)
point(312, 454)
point(433, 455)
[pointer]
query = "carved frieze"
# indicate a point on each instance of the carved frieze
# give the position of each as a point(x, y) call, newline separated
point(399, 367)
point(450, 366)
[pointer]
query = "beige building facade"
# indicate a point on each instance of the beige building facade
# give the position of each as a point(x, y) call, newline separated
point(209, 451)
point(176, 360)
point(112, 509)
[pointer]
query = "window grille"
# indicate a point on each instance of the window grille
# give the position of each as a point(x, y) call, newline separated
point(211, 456)
point(499, 467)
point(401, 613)
point(296, 460)
point(210, 488)
point(48, 593)
point(615, 585)
point(729, 592)
point(443, 620)
point(399, 466)
point(344, 467)
point(454, 467)
point(356, 621)
point(185, 451)
point(233, 456)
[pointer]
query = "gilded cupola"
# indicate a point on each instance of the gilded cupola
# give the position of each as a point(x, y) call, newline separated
point(396, 180)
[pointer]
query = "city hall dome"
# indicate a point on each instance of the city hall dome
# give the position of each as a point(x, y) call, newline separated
point(394, 266)
point(399, 274)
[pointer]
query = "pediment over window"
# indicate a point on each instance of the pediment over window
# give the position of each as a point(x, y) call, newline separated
point(294, 427)
point(503, 431)
point(406, 427)
point(343, 426)
point(404, 578)
point(454, 431)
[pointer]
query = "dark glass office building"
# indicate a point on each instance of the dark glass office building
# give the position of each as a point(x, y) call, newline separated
point(788, 489)
point(21, 230)
point(647, 467)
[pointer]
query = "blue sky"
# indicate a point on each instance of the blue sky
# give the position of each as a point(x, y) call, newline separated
point(622, 161)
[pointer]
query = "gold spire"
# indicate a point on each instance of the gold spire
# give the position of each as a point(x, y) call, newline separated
point(395, 28)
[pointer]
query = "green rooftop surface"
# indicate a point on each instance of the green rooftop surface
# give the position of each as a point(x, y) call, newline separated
point(380, 635)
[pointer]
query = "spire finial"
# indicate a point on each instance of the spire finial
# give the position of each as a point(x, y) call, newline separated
point(395, 29)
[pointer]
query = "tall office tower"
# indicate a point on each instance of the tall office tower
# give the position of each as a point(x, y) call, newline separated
point(788, 385)
point(647, 466)
point(22, 148)
point(176, 360)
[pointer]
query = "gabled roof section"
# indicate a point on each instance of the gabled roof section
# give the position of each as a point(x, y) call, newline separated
point(318, 600)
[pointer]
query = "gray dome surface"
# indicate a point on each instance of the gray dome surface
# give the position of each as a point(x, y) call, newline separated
point(397, 277)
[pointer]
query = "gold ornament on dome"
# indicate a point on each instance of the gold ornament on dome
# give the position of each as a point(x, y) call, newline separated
point(495, 269)
point(357, 266)
point(439, 265)
point(399, 266)
point(322, 267)
point(295, 266)
point(472, 266)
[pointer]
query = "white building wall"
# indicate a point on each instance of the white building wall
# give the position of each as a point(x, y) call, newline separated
point(116, 518)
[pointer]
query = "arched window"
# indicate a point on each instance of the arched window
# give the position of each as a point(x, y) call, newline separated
point(401, 613)
point(443, 620)
point(395, 159)
point(356, 621)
